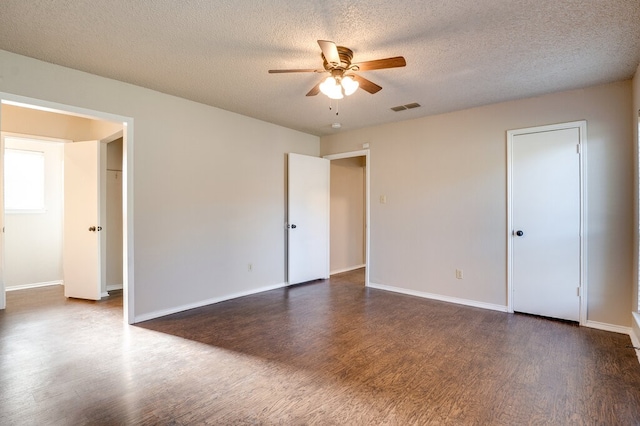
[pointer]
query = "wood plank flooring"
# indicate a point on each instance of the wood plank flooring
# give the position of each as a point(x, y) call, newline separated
point(327, 353)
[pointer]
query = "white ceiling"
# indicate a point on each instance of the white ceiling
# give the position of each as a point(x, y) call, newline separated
point(459, 54)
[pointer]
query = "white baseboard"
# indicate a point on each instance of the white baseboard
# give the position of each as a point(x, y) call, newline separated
point(608, 327)
point(440, 297)
point(351, 268)
point(165, 312)
point(33, 285)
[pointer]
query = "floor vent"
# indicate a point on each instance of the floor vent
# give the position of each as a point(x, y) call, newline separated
point(405, 107)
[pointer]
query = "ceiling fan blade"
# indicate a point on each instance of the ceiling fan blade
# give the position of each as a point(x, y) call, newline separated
point(379, 64)
point(315, 90)
point(330, 51)
point(300, 70)
point(367, 85)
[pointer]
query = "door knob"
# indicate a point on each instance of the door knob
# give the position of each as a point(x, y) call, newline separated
point(92, 228)
point(519, 233)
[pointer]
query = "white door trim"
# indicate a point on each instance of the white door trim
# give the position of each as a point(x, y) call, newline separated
point(367, 170)
point(582, 128)
point(128, 234)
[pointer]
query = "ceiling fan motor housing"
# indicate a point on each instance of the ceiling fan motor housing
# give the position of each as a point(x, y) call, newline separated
point(345, 54)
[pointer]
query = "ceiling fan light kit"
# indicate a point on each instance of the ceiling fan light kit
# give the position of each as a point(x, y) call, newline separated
point(339, 87)
point(331, 88)
point(343, 80)
point(349, 85)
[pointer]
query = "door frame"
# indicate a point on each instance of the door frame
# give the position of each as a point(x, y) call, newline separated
point(127, 190)
point(582, 131)
point(367, 167)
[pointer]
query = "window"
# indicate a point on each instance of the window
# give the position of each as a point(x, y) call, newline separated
point(23, 181)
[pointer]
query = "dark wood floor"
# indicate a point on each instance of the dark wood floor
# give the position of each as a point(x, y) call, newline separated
point(330, 352)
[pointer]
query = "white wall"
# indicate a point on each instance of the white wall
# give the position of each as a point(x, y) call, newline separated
point(444, 178)
point(209, 185)
point(347, 214)
point(33, 241)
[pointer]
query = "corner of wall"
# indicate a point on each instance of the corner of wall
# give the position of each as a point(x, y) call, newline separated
point(635, 87)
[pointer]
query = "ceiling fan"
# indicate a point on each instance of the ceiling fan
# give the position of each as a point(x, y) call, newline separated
point(343, 80)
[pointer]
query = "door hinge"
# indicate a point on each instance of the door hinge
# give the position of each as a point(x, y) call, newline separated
point(578, 148)
point(578, 291)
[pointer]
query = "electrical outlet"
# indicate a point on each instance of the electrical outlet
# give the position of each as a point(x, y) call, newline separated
point(250, 267)
point(459, 274)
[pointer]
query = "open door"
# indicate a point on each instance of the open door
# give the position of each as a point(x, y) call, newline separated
point(308, 210)
point(82, 252)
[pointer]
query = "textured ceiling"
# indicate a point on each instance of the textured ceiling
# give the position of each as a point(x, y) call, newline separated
point(459, 54)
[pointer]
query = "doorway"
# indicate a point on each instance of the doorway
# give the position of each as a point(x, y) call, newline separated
point(546, 221)
point(350, 212)
point(126, 126)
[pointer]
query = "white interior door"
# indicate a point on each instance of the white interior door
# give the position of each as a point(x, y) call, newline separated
point(308, 211)
point(82, 251)
point(545, 197)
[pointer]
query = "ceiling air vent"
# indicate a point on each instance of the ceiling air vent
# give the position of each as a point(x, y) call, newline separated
point(407, 106)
